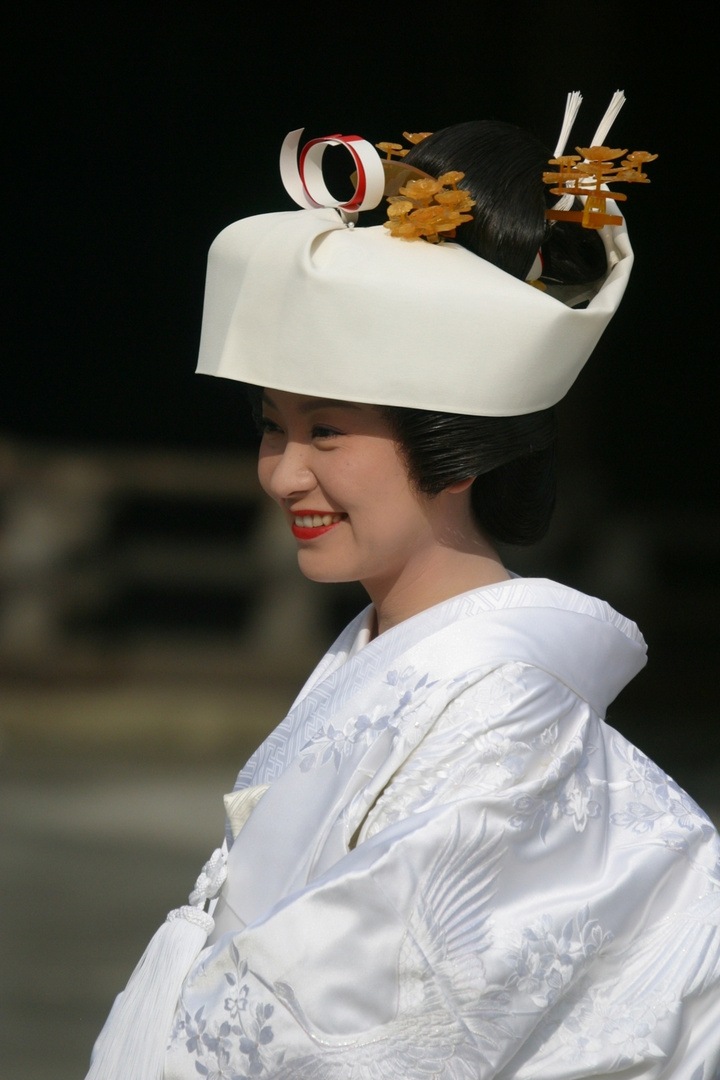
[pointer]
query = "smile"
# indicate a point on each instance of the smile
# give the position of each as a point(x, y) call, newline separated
point(308, 526)
point(314, 521)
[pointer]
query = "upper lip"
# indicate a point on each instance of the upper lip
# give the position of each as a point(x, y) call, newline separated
point(305, 511)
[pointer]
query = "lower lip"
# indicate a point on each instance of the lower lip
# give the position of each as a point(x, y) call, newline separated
point(303, 532)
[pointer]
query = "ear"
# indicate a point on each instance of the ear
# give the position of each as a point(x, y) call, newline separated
point(460, 486)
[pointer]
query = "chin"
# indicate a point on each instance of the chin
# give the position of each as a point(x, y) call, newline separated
point(313, 570)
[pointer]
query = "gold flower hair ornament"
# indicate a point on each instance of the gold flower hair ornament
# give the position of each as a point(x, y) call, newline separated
point(429, 209)
point(422, 207)
point(393, 149)
point(397, 173)
point(588, 174)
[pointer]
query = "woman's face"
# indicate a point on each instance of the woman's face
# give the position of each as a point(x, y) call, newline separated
point(339, 477)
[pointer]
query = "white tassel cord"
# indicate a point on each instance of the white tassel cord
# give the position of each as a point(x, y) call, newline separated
point(133, 1043)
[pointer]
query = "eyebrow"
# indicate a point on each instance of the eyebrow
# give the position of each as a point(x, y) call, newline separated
point(313, 404)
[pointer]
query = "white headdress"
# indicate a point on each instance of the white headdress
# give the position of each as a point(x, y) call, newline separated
point(303, 301)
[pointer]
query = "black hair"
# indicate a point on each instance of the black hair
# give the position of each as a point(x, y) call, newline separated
point(503, 168)
point(513, 458)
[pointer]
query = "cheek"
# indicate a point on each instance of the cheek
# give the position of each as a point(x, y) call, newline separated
point(266, 465)
point(384, 475)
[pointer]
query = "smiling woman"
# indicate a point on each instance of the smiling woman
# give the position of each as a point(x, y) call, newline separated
point(338, 473)
point(442, 863)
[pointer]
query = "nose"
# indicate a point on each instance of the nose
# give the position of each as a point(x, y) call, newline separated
point(285, 473)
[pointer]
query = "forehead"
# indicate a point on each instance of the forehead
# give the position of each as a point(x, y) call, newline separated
point(304, 404)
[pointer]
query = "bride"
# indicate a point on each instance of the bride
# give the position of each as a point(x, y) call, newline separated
point(443, 863)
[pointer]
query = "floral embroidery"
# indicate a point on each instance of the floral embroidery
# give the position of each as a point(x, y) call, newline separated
point(481, 760)
point(545, 962)
point(661, 807)
point(577, 802)
point(594, 1024)
point(638, 817)
point(240, 1042)
point(332, 743)
point(565, 793)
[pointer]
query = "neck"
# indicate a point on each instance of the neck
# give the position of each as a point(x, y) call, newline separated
point(449, 573)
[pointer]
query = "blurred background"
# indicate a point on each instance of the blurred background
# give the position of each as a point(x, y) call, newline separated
point(153, 625)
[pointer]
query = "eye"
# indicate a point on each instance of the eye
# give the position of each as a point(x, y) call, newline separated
point(266, 426)
point(320, 431)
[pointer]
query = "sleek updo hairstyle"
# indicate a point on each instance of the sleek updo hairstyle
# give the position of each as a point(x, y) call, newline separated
point(512, 457)
point(503, 168)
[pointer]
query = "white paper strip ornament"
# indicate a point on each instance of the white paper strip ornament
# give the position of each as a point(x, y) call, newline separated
point(572, 107)
point(304, 180)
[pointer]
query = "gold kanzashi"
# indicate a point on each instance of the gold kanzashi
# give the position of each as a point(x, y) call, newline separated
point(588, 174)
point(391, 149)
point(422, 207)
point(429, 209)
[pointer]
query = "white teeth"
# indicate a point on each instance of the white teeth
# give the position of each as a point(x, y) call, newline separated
point(314, 521)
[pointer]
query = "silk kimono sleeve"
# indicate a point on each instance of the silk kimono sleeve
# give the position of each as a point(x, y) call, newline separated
point(529, 897)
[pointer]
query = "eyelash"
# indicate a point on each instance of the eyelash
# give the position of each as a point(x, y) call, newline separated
point(321, 432)
point(266, 426)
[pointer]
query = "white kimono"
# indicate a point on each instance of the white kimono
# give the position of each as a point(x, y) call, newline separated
point(448, 866)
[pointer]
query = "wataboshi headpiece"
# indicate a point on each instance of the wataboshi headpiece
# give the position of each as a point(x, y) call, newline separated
point(305, 302)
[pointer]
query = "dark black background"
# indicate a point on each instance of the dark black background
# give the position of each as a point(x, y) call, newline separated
point(137, 132)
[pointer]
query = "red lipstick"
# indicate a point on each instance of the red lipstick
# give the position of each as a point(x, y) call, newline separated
point(310, 532)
